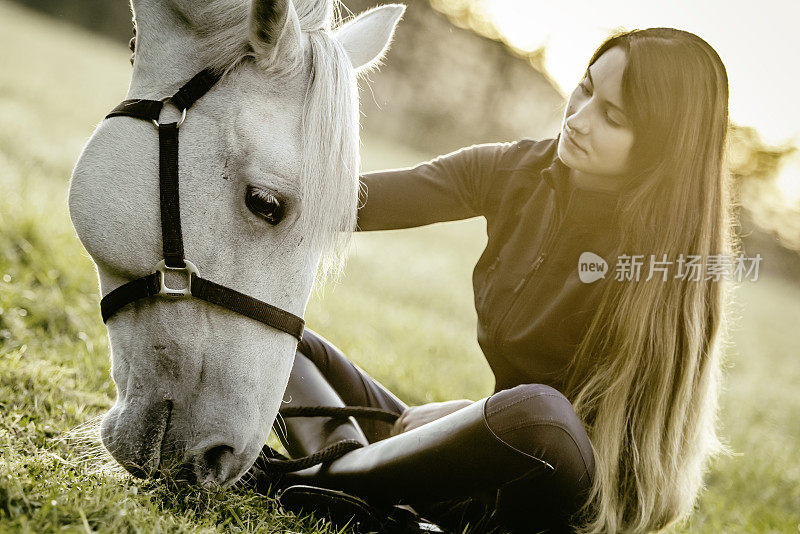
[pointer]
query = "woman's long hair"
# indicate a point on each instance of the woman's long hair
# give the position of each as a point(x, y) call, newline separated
point(645, 378)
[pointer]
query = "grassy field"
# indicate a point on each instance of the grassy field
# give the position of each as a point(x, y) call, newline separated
point(403, 311)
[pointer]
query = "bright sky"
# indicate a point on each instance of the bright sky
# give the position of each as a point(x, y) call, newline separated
point(759, 42)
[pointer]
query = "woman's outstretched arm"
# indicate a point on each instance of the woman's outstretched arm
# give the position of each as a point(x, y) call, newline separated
point(447, 188)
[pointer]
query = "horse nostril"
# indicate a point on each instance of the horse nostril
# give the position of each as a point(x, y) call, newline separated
point(215, 465)
point(214, 455)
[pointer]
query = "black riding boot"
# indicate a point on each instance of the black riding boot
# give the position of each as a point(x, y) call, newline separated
point(456, 456)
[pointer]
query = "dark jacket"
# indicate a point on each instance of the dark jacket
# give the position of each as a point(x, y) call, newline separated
point(532, 308)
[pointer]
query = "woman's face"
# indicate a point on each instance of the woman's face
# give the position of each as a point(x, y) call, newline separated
point(596, 135)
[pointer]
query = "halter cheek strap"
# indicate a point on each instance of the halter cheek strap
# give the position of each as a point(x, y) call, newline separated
point(171, 236)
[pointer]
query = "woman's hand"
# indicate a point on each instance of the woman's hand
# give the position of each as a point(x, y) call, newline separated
point(415, 416)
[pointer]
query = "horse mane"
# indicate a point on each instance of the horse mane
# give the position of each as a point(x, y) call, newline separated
point(330, 115)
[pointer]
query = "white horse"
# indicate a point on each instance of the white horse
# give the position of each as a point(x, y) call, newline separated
point(196, 381)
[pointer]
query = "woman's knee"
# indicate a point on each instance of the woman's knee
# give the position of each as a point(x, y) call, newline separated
point(354, 386)
point(317, 349)
point(538, 420)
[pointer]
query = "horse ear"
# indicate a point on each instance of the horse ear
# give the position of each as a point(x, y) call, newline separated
point(366, 38)
point(275, 32)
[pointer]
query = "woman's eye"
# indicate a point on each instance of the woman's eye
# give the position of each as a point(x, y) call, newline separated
point(264, 204)
point(611, 121)
point(584, 89)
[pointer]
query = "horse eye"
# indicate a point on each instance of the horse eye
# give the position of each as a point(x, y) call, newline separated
point(264, 204)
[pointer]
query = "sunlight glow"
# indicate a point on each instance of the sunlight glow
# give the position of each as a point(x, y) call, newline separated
point(788, 181)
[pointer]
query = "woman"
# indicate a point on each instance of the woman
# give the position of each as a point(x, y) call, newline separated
point(603, 416)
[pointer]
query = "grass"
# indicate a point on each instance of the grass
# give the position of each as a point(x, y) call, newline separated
point(403, 311)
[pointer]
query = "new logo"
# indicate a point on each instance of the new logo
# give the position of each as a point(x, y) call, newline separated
point(591, 267)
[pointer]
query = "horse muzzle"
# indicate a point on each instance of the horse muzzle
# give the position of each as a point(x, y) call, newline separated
point(151, 440)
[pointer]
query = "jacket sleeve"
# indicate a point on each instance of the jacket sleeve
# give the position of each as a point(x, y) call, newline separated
point(447, 188)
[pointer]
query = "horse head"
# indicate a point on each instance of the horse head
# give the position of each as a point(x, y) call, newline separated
point(268, 172)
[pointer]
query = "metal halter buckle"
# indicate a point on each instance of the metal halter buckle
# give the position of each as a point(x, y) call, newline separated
point(183, 114)
point(188, 270)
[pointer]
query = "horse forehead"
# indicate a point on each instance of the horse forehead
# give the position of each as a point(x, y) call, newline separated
point(264, 126)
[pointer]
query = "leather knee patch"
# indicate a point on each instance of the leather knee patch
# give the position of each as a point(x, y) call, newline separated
point(538, 420)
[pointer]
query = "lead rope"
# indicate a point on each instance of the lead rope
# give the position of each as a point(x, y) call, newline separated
point(272, 465)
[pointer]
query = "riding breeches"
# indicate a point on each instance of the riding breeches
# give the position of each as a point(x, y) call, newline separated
point(534, 421)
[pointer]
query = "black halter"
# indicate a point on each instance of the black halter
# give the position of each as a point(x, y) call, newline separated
point(172, 240)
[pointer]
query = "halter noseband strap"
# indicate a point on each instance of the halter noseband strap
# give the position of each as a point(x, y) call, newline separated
point(172, 240)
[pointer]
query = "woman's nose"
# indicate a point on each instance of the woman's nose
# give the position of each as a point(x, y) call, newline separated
point(578, 120)
point(577, 123)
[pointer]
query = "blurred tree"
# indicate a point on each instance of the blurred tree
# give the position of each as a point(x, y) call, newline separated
point(442, 87)
point(750, 157)
point(474, 15)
